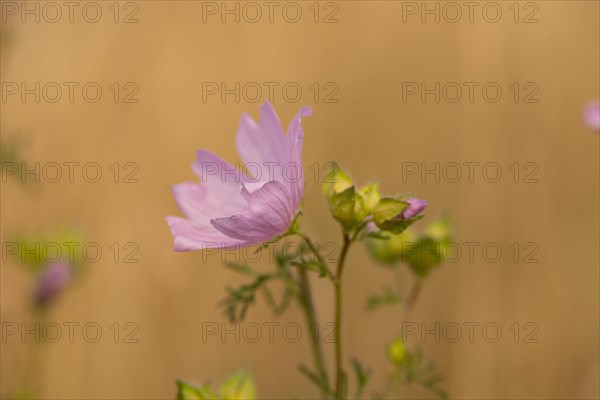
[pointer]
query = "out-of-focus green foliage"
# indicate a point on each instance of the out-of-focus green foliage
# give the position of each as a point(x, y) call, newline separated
point(421, 252)
point(408, 366)
point(35, 251)
point(239, 387)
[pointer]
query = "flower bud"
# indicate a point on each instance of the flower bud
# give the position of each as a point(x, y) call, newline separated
point(370, 195)
point(336, 182)
point(414, 208)
point(390, 248)
point(397, 352)
point(395, 215)
point(348, 208)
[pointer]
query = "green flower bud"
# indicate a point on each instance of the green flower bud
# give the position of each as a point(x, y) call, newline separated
point(387, 215)
point(397, 352)
point(390, 248)
point(370, 195)
point(348, 207)
point(422, 255)
point(440, 229)
point(430, 249)
point(336, 182)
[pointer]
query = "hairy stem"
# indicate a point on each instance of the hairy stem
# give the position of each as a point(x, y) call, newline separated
point(337, 282)
point(412, 298)
point(310, 313)
point(311, 246)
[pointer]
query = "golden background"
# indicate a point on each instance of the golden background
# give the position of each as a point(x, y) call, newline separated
point(370, 131)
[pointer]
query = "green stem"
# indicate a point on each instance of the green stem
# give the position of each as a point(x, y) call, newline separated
point(33, 367)
point(362, 226)
point(337, 282)
point(412, 298)
point(311, 315)
point(313, 325)
point(311, 246)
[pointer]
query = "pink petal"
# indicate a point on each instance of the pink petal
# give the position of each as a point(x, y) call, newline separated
point(263, 147)
point(268, 216)
point(220, 183)
point(201, 202)
point(263, 142)
point(191, 198)
point(294, 172)
point(279, 158)
point(294, 131)
point(270, 200)
point(190, 236)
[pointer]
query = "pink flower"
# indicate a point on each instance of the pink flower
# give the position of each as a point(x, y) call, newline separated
point(230, 208)
point(591, 115)
point(53, 279)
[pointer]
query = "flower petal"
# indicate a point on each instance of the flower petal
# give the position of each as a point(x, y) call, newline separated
point(263, 145)
point(262, 142)
point(275, 157)
point(271, 201)
point(294, 130)
point(294, 172)
point(268, 216)
point(190, 236)
point(220, 183)
point(415, 206)
point(190, 198)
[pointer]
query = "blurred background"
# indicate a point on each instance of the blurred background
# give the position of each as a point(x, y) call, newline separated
point(158, 64)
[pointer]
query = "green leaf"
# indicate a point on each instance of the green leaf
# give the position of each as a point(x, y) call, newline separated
point(243, 269)
point(317, 380)
point(314, 265)
point(239, 299)
point(284, 303)
point(362, 377)
point(388, 297)
point(344, 385)
point(186, 391)
point(239, 387)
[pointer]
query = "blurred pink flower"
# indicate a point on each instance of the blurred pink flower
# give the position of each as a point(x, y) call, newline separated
point(591, 115)
point(230, 208)
point(53, 279)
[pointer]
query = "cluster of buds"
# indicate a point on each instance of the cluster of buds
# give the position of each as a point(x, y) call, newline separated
point(364, 210)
